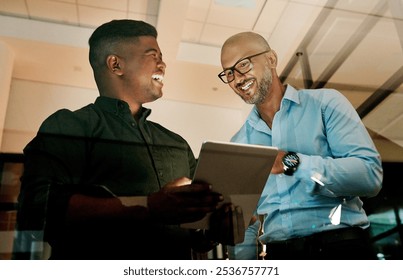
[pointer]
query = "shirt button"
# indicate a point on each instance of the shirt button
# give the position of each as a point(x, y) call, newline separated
point(133, 124)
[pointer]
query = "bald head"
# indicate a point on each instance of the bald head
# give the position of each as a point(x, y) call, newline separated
point(241, 45)
point(249, 66)
point(248, 38)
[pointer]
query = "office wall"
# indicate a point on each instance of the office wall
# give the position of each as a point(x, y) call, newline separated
point(6, 69)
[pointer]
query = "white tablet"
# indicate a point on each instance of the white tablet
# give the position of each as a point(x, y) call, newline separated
point(238, 171)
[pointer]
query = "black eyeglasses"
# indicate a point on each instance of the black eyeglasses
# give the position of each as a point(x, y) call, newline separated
point(242, 66)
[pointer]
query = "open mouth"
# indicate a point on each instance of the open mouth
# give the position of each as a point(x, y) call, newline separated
point(247, 85)
point(158, 77)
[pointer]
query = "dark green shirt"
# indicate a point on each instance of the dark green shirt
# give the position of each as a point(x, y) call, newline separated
point(101, 150)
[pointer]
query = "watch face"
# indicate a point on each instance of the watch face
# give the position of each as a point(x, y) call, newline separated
point(291, 160)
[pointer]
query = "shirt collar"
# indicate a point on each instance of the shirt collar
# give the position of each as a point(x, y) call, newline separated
point(118, 107)
point(291, 94)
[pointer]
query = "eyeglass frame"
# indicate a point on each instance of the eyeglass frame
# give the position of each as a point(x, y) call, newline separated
point(233, 68)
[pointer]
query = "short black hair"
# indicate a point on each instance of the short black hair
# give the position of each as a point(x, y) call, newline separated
point(116, 31)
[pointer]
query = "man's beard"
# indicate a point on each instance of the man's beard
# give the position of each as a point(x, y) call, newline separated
point(262, 89)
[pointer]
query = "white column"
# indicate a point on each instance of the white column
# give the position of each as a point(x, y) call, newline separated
point(6, 70)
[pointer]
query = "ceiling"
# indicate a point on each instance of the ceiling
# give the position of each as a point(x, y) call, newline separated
point(354, 46)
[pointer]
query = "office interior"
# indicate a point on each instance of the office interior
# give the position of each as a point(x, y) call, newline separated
point(353, 46)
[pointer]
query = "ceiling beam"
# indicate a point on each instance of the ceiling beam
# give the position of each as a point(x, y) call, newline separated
point(361, 32)
point(340, 57)
point(306, 69)
point(395, 7)
point(317, 24)
point(380, 94)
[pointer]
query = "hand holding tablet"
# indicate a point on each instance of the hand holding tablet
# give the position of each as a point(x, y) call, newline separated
point(237, 171)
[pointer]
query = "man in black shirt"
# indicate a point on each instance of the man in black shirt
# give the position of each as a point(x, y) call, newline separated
point(103, 182)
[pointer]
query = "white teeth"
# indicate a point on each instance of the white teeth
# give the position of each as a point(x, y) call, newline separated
point(247, 85)
point(157, 77)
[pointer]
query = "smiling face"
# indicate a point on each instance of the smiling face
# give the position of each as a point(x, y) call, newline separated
point(254, 85)
point(142, 70)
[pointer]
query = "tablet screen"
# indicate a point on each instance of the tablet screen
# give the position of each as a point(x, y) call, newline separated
point(238, 171)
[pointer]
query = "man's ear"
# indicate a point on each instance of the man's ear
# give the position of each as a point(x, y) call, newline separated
point(272, 59)
point(114, 64)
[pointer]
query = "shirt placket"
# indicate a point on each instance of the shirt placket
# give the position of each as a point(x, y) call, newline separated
point(279, 136)
point(155, 154)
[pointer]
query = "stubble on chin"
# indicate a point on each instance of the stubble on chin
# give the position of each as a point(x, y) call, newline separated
point(262, 90)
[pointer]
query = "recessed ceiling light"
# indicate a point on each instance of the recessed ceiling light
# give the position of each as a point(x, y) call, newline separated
point(237, 3)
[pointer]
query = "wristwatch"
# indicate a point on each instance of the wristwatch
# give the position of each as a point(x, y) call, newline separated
point(290, 163)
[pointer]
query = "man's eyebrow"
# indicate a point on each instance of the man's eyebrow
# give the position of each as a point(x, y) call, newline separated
point(233, 66)
point(150, 50)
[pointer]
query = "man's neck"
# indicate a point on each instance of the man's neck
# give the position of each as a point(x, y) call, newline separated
point(271, 105)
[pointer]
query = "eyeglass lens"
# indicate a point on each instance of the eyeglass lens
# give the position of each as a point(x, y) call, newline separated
point(241, 67)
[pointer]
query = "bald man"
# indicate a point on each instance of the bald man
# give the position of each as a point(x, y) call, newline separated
point(310, 205)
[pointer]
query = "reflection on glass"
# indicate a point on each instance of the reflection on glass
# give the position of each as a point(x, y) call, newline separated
point(335, 215)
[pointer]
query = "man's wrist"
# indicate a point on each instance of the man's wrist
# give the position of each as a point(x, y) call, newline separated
point(136, 206)
point(133, 200)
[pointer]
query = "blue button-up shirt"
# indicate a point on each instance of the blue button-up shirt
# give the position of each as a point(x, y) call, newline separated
point(338, 163)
